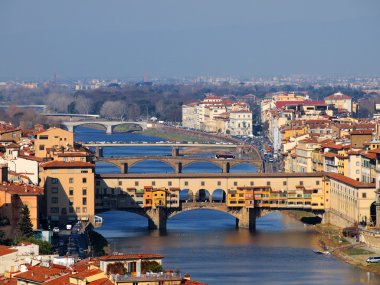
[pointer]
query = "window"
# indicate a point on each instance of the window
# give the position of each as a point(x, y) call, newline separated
point(268, 183)
point(301, 183)
point(71, 191)
point(136, 183)
point(252, 183)
point(357, 171)
point(219, 183)
point(71, 180)
point(169, 183)
point(283, 183)
point(186, 183)
point(84, 201)
point(41, 147)
point(120, 183)
point(84, 180)
point(44, 137)
point(83, 171)
point(54, 200)
point(54, 190)
point(84, 210)
point(84, 191)
point(77, 210)
point(235, 183)
point(202, 183)
point(71, 202)
point(357, 163)
point(317, 182)
point(54, 210)
point(153, 183)
point(364, 195)
point(54, 181)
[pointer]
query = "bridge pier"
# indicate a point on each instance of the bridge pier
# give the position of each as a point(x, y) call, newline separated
point(247, 219)
point(175, 151)
point(109, 129)
point(124, 167)
point(178, 167)
point(157, 219)
point(226, 167)
point(99, 151)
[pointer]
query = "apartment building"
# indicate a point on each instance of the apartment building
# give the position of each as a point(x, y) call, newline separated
point(69, 191)
point(217, 115)
point(340, 101)
point(52, 138)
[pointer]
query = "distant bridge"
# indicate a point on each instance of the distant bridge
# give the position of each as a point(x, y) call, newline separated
point(178, 162)
point(71, 115)
point(107, 125)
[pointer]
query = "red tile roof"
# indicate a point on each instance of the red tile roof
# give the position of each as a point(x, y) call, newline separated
point(350, 181)
point(8, 281)
point(39, 274)
point(361, 132)
point(102, 281)
point(62, 280)
point(337, 96)
point(4, 250)
point(21, 189)
point(131, 256)
point(87, 273)
point(66, 164)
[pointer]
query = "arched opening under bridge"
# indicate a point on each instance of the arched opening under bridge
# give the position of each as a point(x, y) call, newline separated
point(202, 195)
point(106, 167)
point(186, 196)
point(219, 196)
point(201, 167)
point(243, 168)
point(151, 166)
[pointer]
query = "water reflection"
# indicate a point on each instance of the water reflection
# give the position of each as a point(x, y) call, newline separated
point(206, 244)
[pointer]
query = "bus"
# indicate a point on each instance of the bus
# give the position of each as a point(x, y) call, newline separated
point(224, 156)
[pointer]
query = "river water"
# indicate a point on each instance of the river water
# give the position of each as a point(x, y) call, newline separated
point(206, 244)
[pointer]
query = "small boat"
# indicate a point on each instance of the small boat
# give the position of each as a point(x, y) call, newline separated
point(326, 252)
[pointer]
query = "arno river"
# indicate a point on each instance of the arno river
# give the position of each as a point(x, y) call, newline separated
point(206, 244)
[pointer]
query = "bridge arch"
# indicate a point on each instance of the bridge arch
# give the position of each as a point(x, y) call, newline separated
point(236, 167)
point(88, 125)
point(135, 163)
point(202, 195)
point(132, 127)
point(202, 164)
point(205, 207)
point(219, 196)
point(186, 196)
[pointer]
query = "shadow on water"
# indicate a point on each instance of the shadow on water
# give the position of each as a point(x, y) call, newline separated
point(206, 244)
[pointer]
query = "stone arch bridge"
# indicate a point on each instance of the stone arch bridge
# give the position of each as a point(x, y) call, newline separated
point(178, 162)
point(107, 125)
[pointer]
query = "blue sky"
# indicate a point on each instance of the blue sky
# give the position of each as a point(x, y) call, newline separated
point(167, 38)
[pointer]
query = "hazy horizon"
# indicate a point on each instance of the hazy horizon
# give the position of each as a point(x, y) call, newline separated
point(171, 38)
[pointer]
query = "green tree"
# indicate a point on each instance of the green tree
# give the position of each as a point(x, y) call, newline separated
point(151, 266)
point(25, 225)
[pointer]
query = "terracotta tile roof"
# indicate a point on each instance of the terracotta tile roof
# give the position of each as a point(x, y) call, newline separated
point(370, 155)
point(131, 256)
point(361, 132)
point(21, 189)
point(39, 274)
point(337, 96)
point(62, 280)
point(4, 250)
point(87, 273)
point(354, 152)
point(329, 154)
point(72, 154)
point(350, 181)
point(102, 281)
point(192, 282)
point(66, 164)
point(31, 157)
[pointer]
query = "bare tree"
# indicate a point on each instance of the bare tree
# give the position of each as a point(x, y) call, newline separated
point(114, 110)
point(58, 102)
point(83, 105)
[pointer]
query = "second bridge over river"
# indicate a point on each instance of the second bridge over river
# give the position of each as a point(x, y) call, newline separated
point(177, 162)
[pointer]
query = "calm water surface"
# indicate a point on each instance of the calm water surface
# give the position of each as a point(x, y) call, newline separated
point(206, 244)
